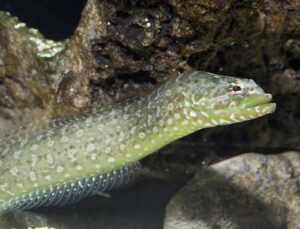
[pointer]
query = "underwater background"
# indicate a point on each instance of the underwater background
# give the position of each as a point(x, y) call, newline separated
point(241, 176)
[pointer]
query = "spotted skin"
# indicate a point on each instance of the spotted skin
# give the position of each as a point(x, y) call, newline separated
point(90, 147)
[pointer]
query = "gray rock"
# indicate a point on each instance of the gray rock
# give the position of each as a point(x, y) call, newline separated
point(28, 219)
point(247, 191)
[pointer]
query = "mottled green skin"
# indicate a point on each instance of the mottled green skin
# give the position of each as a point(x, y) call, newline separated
point(109, 138)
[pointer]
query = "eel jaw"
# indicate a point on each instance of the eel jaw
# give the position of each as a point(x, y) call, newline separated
point(254, 108)
point(261, 110)
point(260, 106)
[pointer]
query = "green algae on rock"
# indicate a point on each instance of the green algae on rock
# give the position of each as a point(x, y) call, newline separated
point(100, 150)
point(44, 48)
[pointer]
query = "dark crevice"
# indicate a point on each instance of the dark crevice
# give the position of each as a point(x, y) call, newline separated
point(188, 39)
point(193, 59)
point(297, 115)
point(122, 14)
point(274, 123)
point(138, 77)
point(108, 83)
point(198, 59)
point(181, 70)
point(98, 45)
point(142, 77)
point(295, 63)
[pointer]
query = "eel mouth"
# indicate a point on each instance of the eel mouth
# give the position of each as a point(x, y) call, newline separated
point(268, 108)
point(260, 105)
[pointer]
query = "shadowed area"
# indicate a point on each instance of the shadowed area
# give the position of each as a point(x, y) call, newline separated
point(55, 19)
point(140, 205)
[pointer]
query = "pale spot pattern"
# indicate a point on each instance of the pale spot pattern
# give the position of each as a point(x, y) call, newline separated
point(223, 121)
point(59, 169)
point(107, 149)
point(59, 158)
point(121, 137)
point(64, 139)
point(170, 121)
point(185, 122)
point(122, 147)
point(17, 154)
point(50, 159)
point(214, 122)
point(32, 176)
point(93, 156)
point(79, 133)
point(132, 130)
point(91, 147)
point(199, 121)
point(161, 123)
point(193, 114)
point(14, 171)
point(137, 146)
point(48, 177)
point(142, 135)
point(79, 168)
point(170, 106)
point(33, 160)
point(177, 116)
point(233, 118)
point(111, 159)
point(34, 147)
point(19, 185)
point(204, 114)
point(50, 143)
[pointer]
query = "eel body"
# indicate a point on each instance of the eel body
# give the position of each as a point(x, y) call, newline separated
point(98, 151)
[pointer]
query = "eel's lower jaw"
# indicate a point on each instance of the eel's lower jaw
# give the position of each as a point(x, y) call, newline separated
point(263, 109)
point(269, 108)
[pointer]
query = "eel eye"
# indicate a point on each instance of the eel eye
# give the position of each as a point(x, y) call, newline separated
point(236, 88)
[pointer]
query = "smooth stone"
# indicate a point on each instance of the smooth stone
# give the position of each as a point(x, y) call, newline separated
point(248, 191)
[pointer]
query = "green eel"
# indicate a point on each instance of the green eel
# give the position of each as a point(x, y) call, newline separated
point(100, 150)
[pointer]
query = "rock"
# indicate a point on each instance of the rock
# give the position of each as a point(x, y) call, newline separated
point(28, 220)
point(247, 191)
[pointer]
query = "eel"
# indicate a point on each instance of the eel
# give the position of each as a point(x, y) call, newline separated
point(98, 151)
